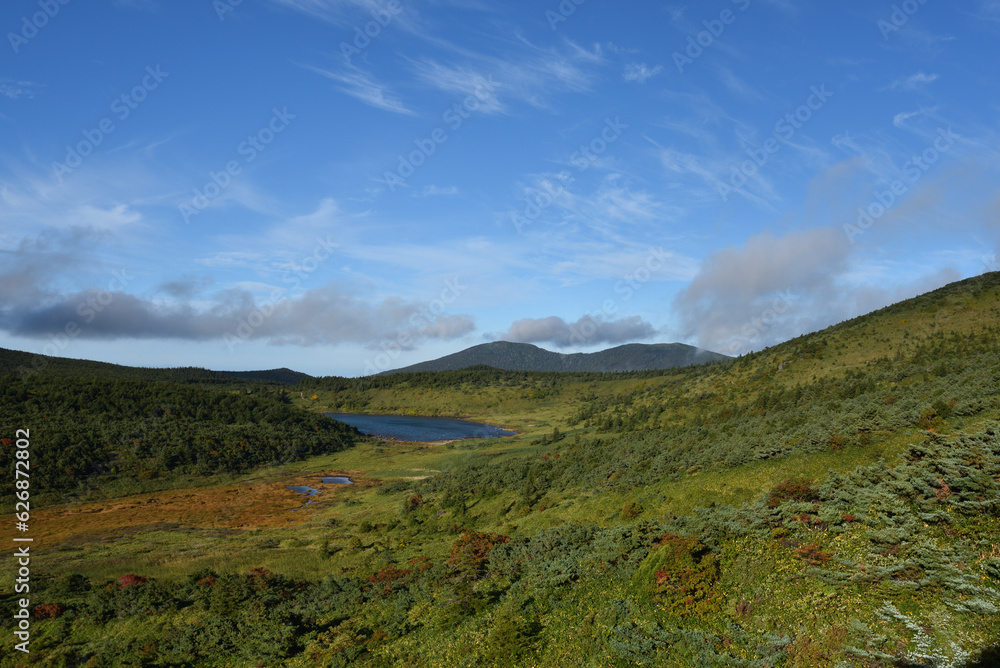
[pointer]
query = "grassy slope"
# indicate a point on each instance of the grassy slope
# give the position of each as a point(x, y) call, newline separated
point(768, 589)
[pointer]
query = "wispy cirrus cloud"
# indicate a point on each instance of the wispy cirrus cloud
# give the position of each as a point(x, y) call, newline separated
point(524, 72)
point(640, 72)
point(13, 89)
point(338, 12)
point(737, 85)
point(436, 191)
point(362, 85)
point(614, 207)
point(913, 82)
point(463, 80)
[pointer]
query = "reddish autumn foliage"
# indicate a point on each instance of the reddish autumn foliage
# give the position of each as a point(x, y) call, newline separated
point(420, 564)
point(387, 579)
point(813, 554)
point(48, 611)
point(685, 577)
point(472, 550)
point(131, 580)
point(388, 574)
point(837, 442)
point(261, 578)
point(791, 490)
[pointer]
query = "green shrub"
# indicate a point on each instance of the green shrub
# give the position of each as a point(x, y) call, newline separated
point(470, 553)
point(682, 574)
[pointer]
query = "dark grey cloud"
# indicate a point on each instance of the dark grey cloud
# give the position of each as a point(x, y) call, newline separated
point(326, 315)
point(776, 288)
point(447, 327)
point(30, 269)
point(748, 297)
point(585, 331)
point(185, 287)
point(35, 303)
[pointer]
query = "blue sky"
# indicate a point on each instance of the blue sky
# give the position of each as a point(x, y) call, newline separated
point(347, 186)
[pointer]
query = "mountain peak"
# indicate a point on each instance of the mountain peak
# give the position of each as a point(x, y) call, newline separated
point(513, 356)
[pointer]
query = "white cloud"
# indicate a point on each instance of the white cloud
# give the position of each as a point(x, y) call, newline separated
point(15, 90)
point(530, 75)
point(584, 332)
point(436, 191)
point(464, 81)
point(363, 86)
point(913, 82)
point(737, 85)
point(640, 72)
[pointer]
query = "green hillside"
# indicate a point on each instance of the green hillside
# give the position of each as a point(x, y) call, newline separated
point(830, 501)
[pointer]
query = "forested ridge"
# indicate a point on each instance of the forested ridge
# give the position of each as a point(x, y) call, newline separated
point(94, 434)
point(830, 501)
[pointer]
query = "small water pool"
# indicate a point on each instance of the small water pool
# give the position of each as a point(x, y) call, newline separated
point(307, 491)
point(417, 428)
point(302, 489)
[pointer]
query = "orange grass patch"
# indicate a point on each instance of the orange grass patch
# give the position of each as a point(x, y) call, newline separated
point(258, 505)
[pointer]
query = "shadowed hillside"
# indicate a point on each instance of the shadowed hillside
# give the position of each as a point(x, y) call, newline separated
point(26, 365)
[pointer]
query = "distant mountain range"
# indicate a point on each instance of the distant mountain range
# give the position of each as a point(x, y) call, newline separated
point(526, 357)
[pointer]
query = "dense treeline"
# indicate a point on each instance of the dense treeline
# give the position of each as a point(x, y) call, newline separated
point(483, 376)
point(93, 432)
